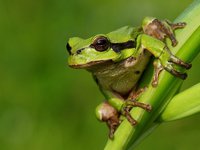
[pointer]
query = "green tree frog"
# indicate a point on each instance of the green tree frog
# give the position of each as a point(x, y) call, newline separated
point(117, 61)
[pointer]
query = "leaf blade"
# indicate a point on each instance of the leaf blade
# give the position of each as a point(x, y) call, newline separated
point(182, 105)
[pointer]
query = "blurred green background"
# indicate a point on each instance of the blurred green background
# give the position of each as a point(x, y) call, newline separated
point(44, 104)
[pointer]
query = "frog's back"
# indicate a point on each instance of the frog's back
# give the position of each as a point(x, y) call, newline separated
point(124, 34)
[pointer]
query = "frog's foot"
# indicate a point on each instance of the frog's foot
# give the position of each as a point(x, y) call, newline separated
point(162, 29)
point(112, 124)
point(130, 103)
point(107, 113)
point(167, 61)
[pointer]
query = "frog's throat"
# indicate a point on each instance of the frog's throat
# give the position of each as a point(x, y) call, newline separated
point(92, 63)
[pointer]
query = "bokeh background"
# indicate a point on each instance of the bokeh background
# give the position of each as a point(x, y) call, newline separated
point(44, 104)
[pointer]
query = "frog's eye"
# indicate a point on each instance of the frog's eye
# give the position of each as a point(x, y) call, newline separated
point(101, 44)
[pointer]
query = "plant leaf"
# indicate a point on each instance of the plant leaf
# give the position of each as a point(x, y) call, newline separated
point(183, 104)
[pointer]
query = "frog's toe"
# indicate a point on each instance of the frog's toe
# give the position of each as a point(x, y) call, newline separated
point(179, 62)
point(175, 26)
point(176, 73)
point(169, 62)
point(126, 113)
point(170, 28)
point(135, 103)
point(112, 125)
point(130, 103)
point(169, 67)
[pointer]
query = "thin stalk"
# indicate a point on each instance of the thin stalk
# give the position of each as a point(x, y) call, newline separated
point(158, 97)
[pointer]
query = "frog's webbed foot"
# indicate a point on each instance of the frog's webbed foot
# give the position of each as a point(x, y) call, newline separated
point(112, 125)
point(162, 29)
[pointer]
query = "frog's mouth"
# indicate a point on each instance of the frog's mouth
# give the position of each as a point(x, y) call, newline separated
point(91, 64)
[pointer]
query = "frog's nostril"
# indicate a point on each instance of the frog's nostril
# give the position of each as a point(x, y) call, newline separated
point(68, 48)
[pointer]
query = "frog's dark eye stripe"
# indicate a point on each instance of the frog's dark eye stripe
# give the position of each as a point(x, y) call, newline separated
point(117, 47)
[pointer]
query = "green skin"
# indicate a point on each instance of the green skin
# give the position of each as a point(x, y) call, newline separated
point(117, 60)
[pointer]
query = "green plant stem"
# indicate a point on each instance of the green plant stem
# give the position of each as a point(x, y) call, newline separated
point(158, 97)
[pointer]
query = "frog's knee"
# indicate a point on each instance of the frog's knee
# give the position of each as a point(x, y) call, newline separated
point(147, 20)
point(105, 111)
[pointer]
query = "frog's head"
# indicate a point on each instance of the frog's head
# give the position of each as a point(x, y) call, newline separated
point(114, 46)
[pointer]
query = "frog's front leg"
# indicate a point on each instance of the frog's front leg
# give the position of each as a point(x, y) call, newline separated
point(165, 59)
point(156, 32)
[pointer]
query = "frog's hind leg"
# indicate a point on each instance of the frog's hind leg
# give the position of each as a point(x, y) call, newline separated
point(107, 113)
